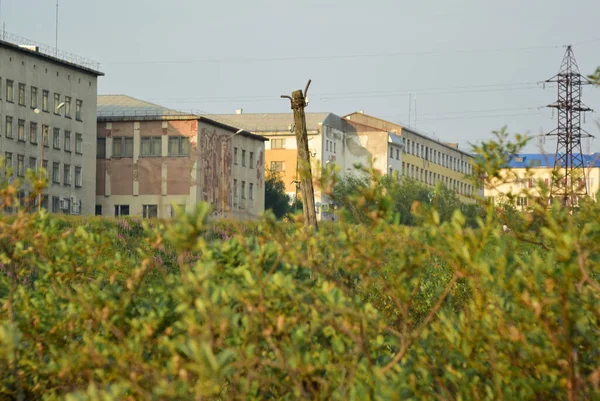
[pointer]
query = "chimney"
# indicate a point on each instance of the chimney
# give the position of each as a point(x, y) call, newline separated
point(239, 111)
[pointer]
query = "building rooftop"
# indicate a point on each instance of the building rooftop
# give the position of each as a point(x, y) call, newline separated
point(270, 122)
point(540, 160)
point(48, 53)
point(127, 108)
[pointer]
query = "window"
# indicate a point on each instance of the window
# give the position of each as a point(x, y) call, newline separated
point(67, 175)
point(243, 157)
point(34, 102)
point(33, 133)
point(397, 154)
point(22, 94)
point(98, 211)
point(45, 202)
point(334, 147)
point(235, 155)
point(78, 178)
point(403, 166)
point(278, 167)
point(100, 148)
point(278, 143)
point(45, 165)
point(391, 152)
point(79, 144)
point(45, 135)
point(68, 106)
point(32, 163)
point(21, 131)
point(56, 103)
point(20, 165)
point(235, 191)
point(56, 173)
point(150, 211)
point(55, 204)
point(326, 145)
point(78, 106)
point(521, 201)
point(251, 162)
point(67, 141)
point(243, 189)
point(179, 146)
point(45, 95)
point(8, 162)
point(122, 147)
point(151, 146)
point(9, 91)
point(121, 210)
point(56, 138)
point(9, 132)
point(251, 191)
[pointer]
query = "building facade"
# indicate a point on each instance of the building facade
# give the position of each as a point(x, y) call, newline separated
point(425, 159)
point(331, 141)
point(152, 159)
point(525, 173)
point(48, 119)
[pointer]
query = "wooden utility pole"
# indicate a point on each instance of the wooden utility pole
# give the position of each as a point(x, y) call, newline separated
point(298, 103)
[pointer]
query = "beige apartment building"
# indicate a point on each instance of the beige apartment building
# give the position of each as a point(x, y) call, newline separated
point(152, 159)
point(331, 141)
point(425, 159)
point(48, 119)
point(525, 172)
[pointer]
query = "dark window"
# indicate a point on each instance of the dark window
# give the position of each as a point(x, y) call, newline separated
point(78, 106)
point(98, 210)
point(68, 106)
point(179, 146)
point(45, 134)
point(34, 102)
point(20, 165)
point(151, 146)
point(100, 148)
point(32, 163)
point(22, 94)
point(251, 162)
point(33, 135)
point(243, 158)
point(78, 178)
point(45, 95)
point(8, 162)
point(9, 127)
point(67, 175)
point(21, 131)
point(122, 147)
point(121, 210)
point(67, 141)
point(56, 173)
point(56, 138)
point(79, 144)
point(235, 155)
point(56, 103)
point(55, 204)
point(9, 91)
point(150, 211)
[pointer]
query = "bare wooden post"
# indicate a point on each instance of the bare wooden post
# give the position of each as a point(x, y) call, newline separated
point(298, 102)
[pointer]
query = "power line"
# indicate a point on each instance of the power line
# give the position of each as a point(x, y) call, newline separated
point(332, 57)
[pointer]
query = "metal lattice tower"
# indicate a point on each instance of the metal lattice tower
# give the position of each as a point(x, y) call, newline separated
point(569, 179)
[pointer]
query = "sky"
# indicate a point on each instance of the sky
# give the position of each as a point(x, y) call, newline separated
point(457, 70)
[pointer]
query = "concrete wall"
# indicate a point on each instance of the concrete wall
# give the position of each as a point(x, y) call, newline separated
point(44, 74)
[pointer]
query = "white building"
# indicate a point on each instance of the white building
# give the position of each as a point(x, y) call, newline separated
point(48, 119)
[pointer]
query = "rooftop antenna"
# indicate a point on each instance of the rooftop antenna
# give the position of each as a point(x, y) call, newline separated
point(409, 107)
point(415, 110)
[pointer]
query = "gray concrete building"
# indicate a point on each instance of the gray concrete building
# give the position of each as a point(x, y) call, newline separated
point(48, 119)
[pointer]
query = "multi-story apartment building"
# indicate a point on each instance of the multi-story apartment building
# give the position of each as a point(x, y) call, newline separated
point(151, 159)
point(524, 173)
point(48, 119)
point(425, 159)
point(331, 140)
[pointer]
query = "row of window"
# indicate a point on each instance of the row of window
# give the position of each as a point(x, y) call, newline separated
point(330, 146)
point(149, 146)
point(243, 153)
point(32, 165)
point(437, 157)
point(243, 190)
point(33, 99)
point(22, 136)
point(531, 182)
point(148, 211)
point(397, 152)
point(431, 178)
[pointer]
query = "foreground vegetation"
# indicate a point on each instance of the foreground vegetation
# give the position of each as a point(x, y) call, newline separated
point(97, 309)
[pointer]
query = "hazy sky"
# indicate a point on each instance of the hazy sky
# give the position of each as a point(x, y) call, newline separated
point(473, 64)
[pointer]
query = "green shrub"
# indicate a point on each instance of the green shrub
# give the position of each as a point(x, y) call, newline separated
point(120, 309)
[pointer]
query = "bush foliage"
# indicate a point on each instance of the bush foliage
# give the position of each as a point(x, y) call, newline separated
point(101, 309)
